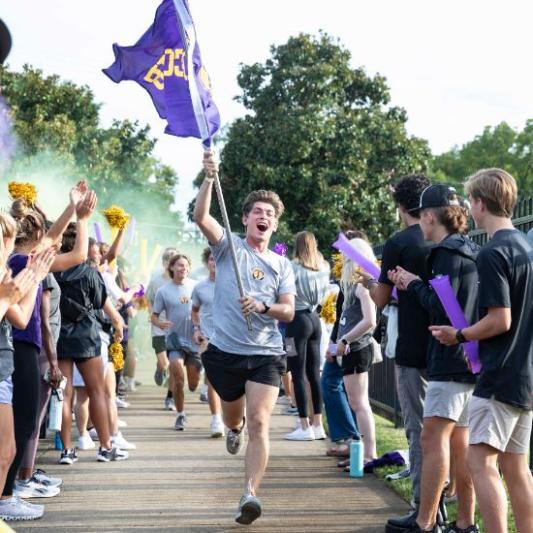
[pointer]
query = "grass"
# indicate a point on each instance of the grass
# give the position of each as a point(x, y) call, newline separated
point(389, 439)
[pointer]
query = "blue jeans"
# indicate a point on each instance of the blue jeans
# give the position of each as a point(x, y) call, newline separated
point(341, 419)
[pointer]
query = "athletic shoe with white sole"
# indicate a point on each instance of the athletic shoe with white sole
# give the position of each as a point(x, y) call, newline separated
point(85, 442)
point(249, 510)
point(169, 404)
point(44, 479)
point(68, 457)
point(216, 427)
point(32, 489)
point(181, 420)
point(122, 423)
point(122, 404)
point(120, 442)
point(114, 454)
point(159, 376)
point(301, 434)
point(14, 509)
point(290, 410)
point(93, 433)
point(319, 432)
point(235, 438)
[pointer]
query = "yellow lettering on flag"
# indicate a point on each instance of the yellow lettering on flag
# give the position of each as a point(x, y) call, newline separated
point(171, 63)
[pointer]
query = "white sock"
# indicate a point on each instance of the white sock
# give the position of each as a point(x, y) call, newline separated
point(217, 417)
point(180, 413)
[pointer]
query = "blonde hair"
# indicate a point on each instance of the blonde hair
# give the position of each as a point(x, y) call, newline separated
point(496, 188)
point(349, 268)
point(306, 251)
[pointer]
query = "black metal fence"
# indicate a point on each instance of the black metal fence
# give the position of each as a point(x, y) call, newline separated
point(382, 386)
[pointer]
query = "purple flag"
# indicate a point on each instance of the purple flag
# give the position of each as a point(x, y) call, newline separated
point(166, 61)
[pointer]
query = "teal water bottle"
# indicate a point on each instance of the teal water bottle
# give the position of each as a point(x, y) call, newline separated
point(356, 457)
point(57, 441)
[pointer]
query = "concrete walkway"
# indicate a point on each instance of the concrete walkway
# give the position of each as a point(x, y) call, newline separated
point(187, 481)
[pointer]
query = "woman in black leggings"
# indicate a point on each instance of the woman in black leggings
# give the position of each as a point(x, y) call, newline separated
point(304, 333)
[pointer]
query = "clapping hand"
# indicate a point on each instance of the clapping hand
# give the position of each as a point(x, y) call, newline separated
point(40, 263)
point(77, 193)
point(14, 289)
point(86, 206)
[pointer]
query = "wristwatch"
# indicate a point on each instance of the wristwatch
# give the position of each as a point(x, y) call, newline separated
point(266, 309)
point(344, 341)
point(460, 337)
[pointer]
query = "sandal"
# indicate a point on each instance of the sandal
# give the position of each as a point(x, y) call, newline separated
point(340, 450)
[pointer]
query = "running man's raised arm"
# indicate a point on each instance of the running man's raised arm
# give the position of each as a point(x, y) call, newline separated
point(207, 224)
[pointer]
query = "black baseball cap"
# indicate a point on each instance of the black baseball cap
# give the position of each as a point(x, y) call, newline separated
point(438, 195)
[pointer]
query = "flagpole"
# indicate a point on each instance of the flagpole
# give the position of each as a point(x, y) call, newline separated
point(233, 253)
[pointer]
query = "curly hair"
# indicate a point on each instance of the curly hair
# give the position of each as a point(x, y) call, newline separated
point(408, 190)
point(205, 255)
point(454, 218)
point(269, 197)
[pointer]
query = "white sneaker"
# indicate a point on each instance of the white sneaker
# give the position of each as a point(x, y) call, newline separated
point(33, 489)
point(169, 404)
point(85, 442)
point(319, 432)
point(12, 509)
point(121, 404)
point(120, 442)
point(130, 385)
point(301, 434)
point(93, 434)
point(283, 400)
point(216, 427)
point(44, 479)
point(122, 423)
point(114, 454)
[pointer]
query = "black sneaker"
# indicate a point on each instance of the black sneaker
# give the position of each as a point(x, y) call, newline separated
point(452, 528)
point(415, 528)
point(234, 439)
point(68, 457)
point(114, 454)
point(249, 510)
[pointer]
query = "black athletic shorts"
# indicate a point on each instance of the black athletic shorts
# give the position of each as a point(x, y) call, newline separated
point(159, 343)
point(358, 362)
point(228, 372)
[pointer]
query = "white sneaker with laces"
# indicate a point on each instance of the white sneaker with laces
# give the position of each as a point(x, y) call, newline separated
point(44, 479)
point(169, 404)
point(120, 442)
point(85, 442)
point(114, 454)
point(216, 427)
point(319, 432)
point(249, 509)
point(14, 509)
point(301, 434)
point(121, 404)
point(32, 489)
point(93, 434)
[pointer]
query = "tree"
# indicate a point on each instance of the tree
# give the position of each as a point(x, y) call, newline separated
point(499, 146)
point(58, 122)
point(322, 135)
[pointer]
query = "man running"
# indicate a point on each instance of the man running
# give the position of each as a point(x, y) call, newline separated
point(174, 298)
point(245, 366)
point(202, 322)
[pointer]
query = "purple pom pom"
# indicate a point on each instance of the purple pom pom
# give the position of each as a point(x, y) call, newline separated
point(280, 248)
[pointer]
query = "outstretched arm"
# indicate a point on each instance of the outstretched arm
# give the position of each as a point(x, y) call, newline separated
point(207, 224)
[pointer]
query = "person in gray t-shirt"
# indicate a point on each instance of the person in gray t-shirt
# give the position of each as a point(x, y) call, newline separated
point(175, 298)
point(243, 365)
point(203, 296)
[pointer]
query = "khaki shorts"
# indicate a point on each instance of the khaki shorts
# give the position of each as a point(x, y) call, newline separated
point(500, 425)
point(448, 399)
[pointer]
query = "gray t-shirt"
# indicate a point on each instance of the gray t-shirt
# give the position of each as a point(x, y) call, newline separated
point(202, 296)
point(265, 276)
point(6, 350)
point(176, 301)
point(50, 284)
point(311, 287)
point(156, 282)
point(352, 314)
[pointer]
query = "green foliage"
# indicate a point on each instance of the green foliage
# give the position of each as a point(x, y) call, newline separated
point(323, 136)
point(500, 146)
point(58, 122)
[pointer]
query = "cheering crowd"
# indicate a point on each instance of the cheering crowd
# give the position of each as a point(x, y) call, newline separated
point(65, 307)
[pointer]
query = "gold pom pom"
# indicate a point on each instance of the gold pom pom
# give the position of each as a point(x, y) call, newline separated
point(329, 311)
point(117, 355)
point(337, 265)
point(116, 217)
point(25, 191)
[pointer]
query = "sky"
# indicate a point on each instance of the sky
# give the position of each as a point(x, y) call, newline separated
point(455, 66)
